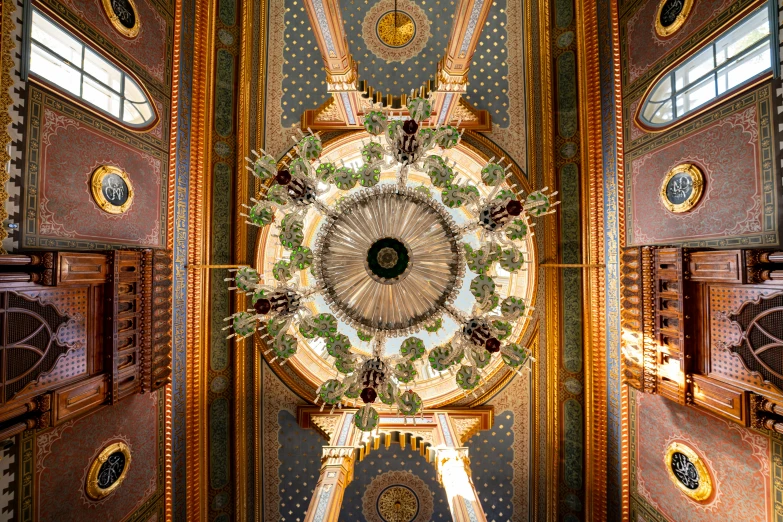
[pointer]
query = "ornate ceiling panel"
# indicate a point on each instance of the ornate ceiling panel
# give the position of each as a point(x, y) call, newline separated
point(396, 70)
point(488, 77)
point(303, 78)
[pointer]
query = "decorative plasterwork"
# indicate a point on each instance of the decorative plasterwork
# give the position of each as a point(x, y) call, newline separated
point(325, 425)
point(328, 112)
point(473, 21)
point(397, 486)
point(414, 47)
point(466, 427)
point(513, 138)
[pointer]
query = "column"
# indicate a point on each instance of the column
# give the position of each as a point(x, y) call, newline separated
point(336, 474)
point(453, 468)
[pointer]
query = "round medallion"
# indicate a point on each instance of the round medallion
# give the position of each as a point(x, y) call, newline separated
point(688, 471)
point(396, 29)
point(398, 504)
point(390, 259)
point(112, 189)
point(397, 496)
point(123, 16)
point(108, 470)
point(682, 188)
point(671, 16)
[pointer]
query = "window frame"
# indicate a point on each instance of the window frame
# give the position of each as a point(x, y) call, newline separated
point(770, 41)
point(28, 73)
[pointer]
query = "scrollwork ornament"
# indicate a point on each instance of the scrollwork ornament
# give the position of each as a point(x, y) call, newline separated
point(688, 471)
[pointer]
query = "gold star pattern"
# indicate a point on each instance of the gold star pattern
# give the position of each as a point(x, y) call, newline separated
point(304, 78)
point(394, 77)
point(488, 81)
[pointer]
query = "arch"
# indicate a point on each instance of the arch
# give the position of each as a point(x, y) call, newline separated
point(65, 62)
point(728, 63)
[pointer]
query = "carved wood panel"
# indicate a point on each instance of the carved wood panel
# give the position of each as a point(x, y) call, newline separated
point(761, 344)
point(29, 345)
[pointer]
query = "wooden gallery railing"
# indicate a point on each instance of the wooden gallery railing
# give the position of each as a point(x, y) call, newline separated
point(79, 331)
point(687, 312)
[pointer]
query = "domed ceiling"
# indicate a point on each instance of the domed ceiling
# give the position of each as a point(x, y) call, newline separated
point(352, 296)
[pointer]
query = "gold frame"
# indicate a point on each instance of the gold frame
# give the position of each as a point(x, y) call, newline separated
point(133, 32)
point(660, 30)
point(704, 491)
point(698, 188)
point(91, 485)
point(97, 194)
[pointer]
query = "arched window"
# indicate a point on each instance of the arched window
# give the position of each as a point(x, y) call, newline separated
point(66, 62)
point(733, 59)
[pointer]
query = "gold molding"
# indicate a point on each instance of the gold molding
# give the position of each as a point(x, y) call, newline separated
point(704, 489)
point(127, 32)
point(196, 420)
point(96, 188)
point(7, 46)
point(678, 22)
point(698, 188)
point(91, 487)
point(172, 187)
point(593, 284)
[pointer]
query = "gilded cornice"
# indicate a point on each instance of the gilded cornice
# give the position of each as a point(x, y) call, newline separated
point(172, 186)
point(198, 244)
point(6, 63)
point(592, 212)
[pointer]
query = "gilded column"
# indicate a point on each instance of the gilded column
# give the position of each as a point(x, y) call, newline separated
point(452, 79)
point(454, 474)
point(336, 474)
point(328, 28)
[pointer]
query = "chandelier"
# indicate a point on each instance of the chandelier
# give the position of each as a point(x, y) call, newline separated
point(389, 260)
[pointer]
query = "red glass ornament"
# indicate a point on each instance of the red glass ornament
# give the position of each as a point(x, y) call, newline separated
point(514, 207)
point(492, 345)
point(263, 306)
point(369, 395)
point(283, 177)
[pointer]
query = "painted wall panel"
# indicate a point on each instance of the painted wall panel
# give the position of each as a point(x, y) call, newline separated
point(738, 458)
point(65, 147)
point(64, 455)
point(732, 146)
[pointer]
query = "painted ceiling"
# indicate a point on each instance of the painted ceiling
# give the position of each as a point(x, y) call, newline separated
point(394, 77)
point(303, 77)
point(304, 80)
point(488, 82)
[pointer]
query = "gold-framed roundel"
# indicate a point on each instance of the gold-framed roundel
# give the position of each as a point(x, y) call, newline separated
point(682, 188)
point(671, 15)
point(124, 16)
point(112, 189)
point(688, 471)
point(396, 29)
point(108, 470)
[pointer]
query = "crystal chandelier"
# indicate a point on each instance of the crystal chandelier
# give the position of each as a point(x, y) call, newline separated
point(389, 261)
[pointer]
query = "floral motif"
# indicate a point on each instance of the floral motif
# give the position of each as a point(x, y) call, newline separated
point(389, 484)
point(396, 54)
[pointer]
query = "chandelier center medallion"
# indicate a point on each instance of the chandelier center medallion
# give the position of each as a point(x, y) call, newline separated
point(390, 259)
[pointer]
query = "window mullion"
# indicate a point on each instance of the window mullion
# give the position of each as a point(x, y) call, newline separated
point(81, 77)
